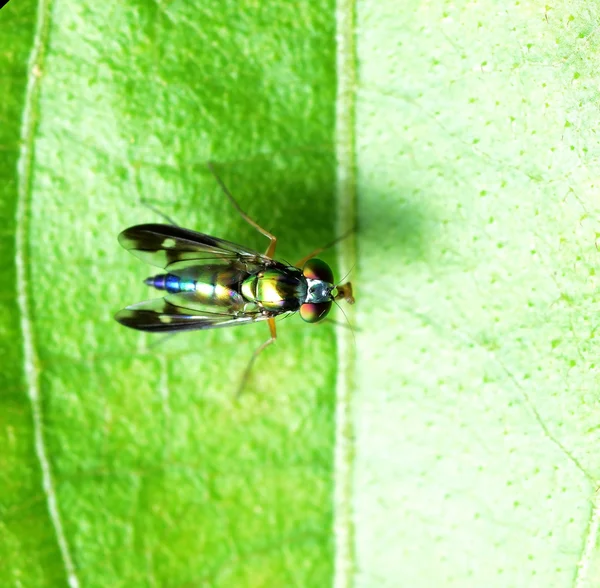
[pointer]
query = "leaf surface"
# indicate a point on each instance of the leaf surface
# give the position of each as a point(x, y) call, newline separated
point(157, 475)
point(477, 395)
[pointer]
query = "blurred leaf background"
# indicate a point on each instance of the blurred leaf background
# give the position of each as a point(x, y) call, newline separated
point(471, 457)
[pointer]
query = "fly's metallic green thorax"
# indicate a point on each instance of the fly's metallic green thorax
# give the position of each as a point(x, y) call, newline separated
point(277, 289)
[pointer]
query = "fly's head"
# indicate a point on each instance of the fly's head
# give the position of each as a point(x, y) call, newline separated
point(321, 291)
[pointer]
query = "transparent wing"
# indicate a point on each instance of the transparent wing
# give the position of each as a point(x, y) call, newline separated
point(160, 315)
point(174, 248)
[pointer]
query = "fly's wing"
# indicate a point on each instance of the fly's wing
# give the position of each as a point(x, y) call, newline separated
point(186, 253)
point(174, 248)
point(160, 315)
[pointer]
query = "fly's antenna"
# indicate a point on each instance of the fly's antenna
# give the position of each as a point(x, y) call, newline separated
point(345, 276)
point(349, 325)
point(344, 291)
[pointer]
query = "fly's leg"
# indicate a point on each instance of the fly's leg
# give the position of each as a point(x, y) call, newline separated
point(316, 252)
point(153, 208)
point(256, 353)
point(145, 201)
point(270, 252)
point(162, 340)
point(345, 325)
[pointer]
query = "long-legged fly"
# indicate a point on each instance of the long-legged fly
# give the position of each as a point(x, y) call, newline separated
point(212, 283)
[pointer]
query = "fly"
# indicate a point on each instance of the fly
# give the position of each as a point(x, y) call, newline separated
point(210, 283)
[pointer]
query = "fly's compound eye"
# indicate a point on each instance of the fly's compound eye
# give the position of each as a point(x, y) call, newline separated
point(315, 269)
point(313, 312)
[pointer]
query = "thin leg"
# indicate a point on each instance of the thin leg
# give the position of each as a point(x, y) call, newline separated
point(258, 351)
point(271, 248)
point(316, 252)
point(153, 208)
point(162, 340)
point(346, 325)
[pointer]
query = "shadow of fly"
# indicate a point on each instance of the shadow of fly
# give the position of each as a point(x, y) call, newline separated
point(211, 283)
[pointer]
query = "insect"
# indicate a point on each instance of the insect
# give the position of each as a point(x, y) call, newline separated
point(210, 283)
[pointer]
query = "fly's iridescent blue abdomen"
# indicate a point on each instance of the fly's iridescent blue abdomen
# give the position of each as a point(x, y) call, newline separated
point(216, 285)
point(171, 283)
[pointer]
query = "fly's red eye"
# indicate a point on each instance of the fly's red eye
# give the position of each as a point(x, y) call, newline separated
point(313, 312)
point(315, 269)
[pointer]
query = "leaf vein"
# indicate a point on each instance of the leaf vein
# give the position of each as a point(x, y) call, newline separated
point(31, 365)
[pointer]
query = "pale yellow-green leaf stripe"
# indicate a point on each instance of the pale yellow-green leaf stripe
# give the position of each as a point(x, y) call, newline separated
point(346, 197)
point(24, 286)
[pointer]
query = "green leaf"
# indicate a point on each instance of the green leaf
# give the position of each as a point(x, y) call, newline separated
point(477, 391)
point(29, 554)
point(126, 464)
point(465, 446)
